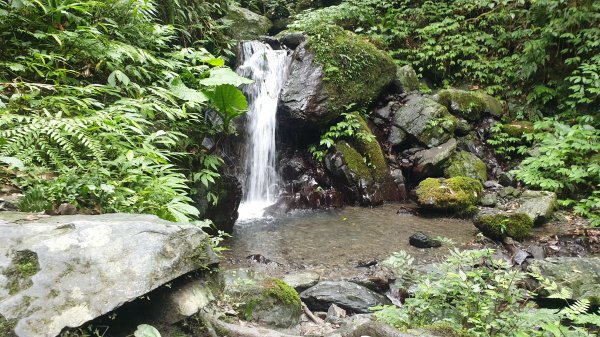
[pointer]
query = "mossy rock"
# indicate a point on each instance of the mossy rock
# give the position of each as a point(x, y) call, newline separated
point(245, 24)
point(517, 128)
point(457, 194)
point(465, 164)
point(497, 224)
point(469, 105)
point(7, 327)
point(275, 303)
point(24, 265)
point(407, 79)
point(354, 70)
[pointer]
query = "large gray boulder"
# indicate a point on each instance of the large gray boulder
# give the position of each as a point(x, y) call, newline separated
point(347, 295)
point(430, 162)
point(245, 24)
point(580, 274)
point(63, 271)
point(424, 119)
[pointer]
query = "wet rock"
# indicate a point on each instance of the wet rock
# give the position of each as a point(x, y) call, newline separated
point(470, 105)
point(397, 136)
point(458, 194)
point(463, 128)
point(292, 40)
point(417, 116)
point(310, 98)
point(349, 296)
point(335, 314)
point(489, 200)
point(579, 274)
point(465, 164)
point(400, 181)
point(66, 270)
point(497, 224)
point(302, 280)
point(537, 251)
point(407, 79)
point(66, 209)
point(223, 215)
point(430, 162)
point(245, 24)
point(507, 179)
point(538, 205)
point(422, 240)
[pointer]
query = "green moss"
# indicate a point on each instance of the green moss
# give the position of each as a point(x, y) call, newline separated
point(355, 71)
point(518, 128)
point(6, 327)
point(459, 194)
point(276, 303)
point(373, 152)
point(465, 164)
point(500, 225)
point(24, 265)
point(470, 105)
point(354, 160)
point(282, 292)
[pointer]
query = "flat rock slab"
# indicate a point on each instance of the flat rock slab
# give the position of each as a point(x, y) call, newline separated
point(63, 271)
point(347, 295)
point(580, 274)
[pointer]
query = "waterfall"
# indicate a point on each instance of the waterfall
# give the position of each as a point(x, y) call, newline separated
point(268, 69)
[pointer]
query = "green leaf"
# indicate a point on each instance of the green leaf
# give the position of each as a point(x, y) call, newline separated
point(181, 91)
point(229, 101)
point(221, 76)
point(145, 330)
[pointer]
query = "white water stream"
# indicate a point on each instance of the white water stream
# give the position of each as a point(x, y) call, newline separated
point(268, 69)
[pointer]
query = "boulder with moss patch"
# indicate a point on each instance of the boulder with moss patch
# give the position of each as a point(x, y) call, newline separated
point(497, 224)
point(465, 164)
point(538, 205)
point(244, 24)
point(458, 194)
point(332, 70)
point(407, 79)
point(63, 271)
point(470, 105)
point(424, 119)
point(274, 303)
point(360, 167)
point(517, 128)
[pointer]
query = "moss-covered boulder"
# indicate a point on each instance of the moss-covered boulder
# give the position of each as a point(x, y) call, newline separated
point(245, 24)
point(332, 70)
point(497, 224)
point(407, 79)
point(360, 167)
point(273, 303)
point(517, 128)
point(458, 194)
point(470, 105)
point(465, 164)
point(425, 120)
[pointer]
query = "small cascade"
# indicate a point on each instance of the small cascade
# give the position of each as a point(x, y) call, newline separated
point(268, 68)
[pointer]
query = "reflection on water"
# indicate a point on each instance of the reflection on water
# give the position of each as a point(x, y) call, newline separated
point(340, 239)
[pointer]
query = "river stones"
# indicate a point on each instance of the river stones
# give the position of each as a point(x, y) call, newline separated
point(422, 240)
point(347, 295)
point(63, 271)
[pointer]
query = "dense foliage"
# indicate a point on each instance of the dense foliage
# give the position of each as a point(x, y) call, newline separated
point(542, 57)
point(98, 104)
point(471, 294)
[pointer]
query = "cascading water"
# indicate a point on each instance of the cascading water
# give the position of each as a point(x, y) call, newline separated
point(268, 68)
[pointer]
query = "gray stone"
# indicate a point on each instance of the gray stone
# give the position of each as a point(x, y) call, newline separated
point(185, 301)
point(430, 162)
point(538, 205)
point(292, 40)
point(470, 105)
point(507, 179)
point(347, 295)
point(378, 329)
point(465, 164)
point(245, 24)
point(335, 314)
point(83, 266)
point(302, 280)
point(407, 79)
point(422, 240)
point(509, 192)
point(417, 116)
point(67, 209)
point(489, 200)
point(579, 274)
point(397, 136)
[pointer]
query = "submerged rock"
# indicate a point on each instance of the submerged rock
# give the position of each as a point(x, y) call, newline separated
point(579, 274)
point(63, 271)
point(347, 295)
point(458, 194)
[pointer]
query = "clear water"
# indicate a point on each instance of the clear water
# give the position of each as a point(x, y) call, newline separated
point(334, 242)
point(268, 68)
